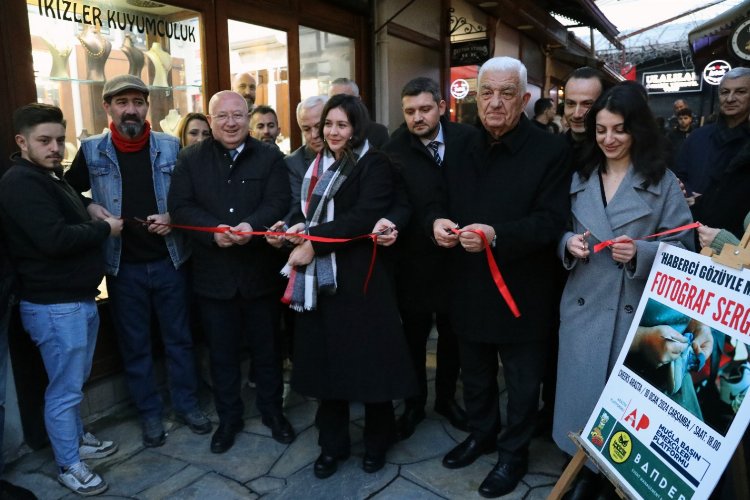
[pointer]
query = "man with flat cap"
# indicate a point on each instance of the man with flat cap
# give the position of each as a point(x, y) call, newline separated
point(129, 171)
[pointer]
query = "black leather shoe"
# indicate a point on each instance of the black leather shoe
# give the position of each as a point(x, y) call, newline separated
point(407, 422)
point(373, 461)
point(454, 413)
point(281, 429)
point(586, 485)
point(223, 438)
point(327, 464)
point(502, 479)
point(467, 452)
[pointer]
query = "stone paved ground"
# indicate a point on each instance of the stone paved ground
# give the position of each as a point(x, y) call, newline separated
point(257, 466)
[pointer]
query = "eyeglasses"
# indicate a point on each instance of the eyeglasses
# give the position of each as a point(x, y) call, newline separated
point(223, 117)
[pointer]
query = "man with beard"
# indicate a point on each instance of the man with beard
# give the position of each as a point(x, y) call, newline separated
point(512, 187)
point(244, 84)
point(421, 149)
point(264, 124)
point(129, 170)
point(56, 250)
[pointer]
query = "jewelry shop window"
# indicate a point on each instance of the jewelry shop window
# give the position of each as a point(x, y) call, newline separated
point(323, 58)
point(77, 46)
point(258, 61)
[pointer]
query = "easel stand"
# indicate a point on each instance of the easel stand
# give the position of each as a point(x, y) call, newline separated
point(574, 467)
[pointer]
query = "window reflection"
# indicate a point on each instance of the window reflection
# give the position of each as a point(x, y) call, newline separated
point(259, 55)
point(323, 58)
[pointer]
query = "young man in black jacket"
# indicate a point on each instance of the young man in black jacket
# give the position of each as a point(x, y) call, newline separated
point(57, 251)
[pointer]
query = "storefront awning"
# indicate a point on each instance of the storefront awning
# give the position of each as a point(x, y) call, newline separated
point(720, 23)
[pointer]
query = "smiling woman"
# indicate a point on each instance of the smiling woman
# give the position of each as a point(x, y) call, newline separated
point(621, 190)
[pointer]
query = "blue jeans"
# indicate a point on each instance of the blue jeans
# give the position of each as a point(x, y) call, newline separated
point(138, 289)
point(66, 337)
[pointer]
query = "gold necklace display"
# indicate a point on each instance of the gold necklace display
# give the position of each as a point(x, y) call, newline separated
point(88, 50)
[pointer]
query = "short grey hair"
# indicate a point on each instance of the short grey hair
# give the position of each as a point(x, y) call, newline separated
point(346, 81)
point(311, 102)
point(735, 73)
point(505, 63)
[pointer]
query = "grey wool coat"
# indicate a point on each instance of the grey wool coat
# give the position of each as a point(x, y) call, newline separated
point(601, 295)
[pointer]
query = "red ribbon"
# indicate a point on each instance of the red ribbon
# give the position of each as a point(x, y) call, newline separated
point(310, 237)
point(495, 271)
point(604, 244)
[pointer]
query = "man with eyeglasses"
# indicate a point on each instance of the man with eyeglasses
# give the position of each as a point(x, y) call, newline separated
point(129, 169)
point(512, 186)
point(236, 184)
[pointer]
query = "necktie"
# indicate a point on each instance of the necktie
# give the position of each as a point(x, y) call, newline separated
point(433, 146)
point(233, 154)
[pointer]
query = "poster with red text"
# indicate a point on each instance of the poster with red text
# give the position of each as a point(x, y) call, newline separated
point(674, 409)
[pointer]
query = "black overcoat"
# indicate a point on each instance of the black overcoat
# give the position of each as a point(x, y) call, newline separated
point(519, 186)
point(207, 190)
point(352, 346)
point(420, 263)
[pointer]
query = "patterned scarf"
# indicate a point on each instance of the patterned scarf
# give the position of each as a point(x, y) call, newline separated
point(322, 181)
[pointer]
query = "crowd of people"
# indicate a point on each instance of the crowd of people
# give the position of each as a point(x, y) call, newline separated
point(435, 196)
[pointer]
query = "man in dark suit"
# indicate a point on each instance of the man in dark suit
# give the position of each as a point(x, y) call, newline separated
point(421, 148)
point(236, 182)
point(513, 187)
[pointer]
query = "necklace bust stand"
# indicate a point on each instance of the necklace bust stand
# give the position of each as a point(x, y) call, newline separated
point(170, 122)
point(162, 62)
point(97, 51)
point(135, 56)
point(60, 54)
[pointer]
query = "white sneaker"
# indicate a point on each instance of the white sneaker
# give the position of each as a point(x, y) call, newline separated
point(91, 447)
point(80, 479)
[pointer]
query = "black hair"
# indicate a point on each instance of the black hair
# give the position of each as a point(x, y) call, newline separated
point(263, 110)
point(586, 73)
point(422, 84)
point(31, 115)
point(647, 149)
point(541, 105)
point(355, 112)
point(685, 112)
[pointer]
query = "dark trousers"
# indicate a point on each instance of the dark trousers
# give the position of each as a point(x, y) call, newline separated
point(333, 422)
point(417, 327)
point(225, 323)
point(523, 368)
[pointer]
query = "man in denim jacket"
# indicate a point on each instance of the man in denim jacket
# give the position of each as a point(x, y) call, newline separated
point(128, 170)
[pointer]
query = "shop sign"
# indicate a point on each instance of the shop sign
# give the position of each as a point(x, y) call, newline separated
point(667, 82)
point(715, 71)
point(472, 52)
point(459, 88)
point(81, 13)
point(740, 41)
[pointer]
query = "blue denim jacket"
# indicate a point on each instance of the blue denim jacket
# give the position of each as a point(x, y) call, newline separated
point(106, 188)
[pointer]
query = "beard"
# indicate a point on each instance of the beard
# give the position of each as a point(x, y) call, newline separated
point(132, 128)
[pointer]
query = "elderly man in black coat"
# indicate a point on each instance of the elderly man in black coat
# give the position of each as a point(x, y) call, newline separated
point(421, 148)
point(238, 183)
point(513, 187)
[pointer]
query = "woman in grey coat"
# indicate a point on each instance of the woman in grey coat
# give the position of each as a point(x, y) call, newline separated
point(621, 190)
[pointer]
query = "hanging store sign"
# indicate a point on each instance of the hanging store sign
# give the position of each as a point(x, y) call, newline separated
point(715, 71)
point(467, 53)
point(78, 12)
point(739, 43)
point(668, 82)
point(460, 88)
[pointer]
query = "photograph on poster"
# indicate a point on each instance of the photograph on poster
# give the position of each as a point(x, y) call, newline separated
point(700, 368)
